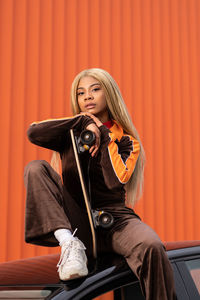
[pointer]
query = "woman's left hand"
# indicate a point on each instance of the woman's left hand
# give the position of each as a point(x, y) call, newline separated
point(93, 149)
point(94, 128)
point(95, 119)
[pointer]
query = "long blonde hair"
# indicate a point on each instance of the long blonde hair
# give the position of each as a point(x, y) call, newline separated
point(118, 111)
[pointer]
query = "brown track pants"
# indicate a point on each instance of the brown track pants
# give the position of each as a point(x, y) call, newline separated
point(46, 211)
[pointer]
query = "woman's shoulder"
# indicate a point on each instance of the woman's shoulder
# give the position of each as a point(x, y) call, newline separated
point(118, 130)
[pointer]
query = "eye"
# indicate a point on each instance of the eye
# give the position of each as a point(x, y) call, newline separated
point(80, 93)
point(96, 89)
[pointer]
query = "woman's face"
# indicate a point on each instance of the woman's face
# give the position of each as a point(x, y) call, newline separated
point(92, 99)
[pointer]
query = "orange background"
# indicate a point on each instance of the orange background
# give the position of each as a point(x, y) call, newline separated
point(151, 48)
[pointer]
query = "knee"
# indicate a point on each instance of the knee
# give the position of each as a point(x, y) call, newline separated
point(154, 248)
point(147, 246)
point(34, 167)
point(151, 243)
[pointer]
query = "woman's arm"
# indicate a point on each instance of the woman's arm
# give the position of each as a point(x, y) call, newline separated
point(119, 153)
point(52, 133)
point(118, 157)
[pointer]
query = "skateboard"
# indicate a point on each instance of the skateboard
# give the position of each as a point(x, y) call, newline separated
point(96, 218)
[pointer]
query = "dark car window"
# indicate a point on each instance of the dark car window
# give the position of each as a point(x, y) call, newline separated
point(127, 292)
point(194, 269)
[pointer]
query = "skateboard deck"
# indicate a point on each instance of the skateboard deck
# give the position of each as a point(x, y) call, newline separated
point(85, 194)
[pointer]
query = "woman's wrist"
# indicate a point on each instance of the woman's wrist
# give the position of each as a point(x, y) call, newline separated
point(95, 119)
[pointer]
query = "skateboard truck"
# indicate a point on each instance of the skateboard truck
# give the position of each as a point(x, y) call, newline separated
point(102, 218)
point(85, 140)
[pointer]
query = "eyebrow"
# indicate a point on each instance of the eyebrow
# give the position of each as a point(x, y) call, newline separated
point(89, 86)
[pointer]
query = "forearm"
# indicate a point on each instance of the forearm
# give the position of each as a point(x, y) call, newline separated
point(52, 133)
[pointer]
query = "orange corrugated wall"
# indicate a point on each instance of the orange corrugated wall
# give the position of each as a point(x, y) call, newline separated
point(151, 47)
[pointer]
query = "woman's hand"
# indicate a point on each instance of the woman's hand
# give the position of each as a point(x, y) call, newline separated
point(94, 128)
point(94, 149)
point(95, 119)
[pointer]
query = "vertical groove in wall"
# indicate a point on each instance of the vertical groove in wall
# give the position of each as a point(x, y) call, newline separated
point(16, 131)
point(70, 47)
point(115, 40)
point(176, 116)
point(167, 102)
point(194, 34)
point(45, 76)
point(57, 58)
point(157, 113)
point(148, 139)
point(186, 122)
point(6, 44)
point(126, 52)
point(31, 90)
point(10, 131)
point(82, 34)
point(152, 52)
point(94, 48)
point(136, 103)
point(22, 250)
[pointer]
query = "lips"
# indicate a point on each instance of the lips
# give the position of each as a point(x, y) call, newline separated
point(90, 106)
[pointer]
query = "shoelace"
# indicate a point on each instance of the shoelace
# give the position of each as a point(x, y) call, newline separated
point(65, 254)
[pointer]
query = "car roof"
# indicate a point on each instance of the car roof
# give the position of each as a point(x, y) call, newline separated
point(181, 244)
point(43, 270)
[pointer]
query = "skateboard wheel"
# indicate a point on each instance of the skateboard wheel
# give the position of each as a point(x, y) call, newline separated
point(87, 137)
point(105, 220)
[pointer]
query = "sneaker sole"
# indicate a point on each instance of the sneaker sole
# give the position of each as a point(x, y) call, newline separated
point(73, 276)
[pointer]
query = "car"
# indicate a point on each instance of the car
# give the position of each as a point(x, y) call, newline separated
point(37, 277)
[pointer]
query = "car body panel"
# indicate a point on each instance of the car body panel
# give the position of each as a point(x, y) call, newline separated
point(109, 272)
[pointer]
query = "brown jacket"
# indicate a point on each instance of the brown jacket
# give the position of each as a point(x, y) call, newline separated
point(109, 171)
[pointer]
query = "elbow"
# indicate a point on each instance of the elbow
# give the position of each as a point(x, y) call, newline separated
point(31, 134)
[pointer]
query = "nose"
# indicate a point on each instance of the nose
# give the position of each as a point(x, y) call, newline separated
point(88, 95)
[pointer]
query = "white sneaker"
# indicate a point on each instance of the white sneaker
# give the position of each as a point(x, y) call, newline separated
point(73, 260)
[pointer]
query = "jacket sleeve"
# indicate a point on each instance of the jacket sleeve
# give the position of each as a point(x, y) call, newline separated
point(52, 133)
point(118, 158)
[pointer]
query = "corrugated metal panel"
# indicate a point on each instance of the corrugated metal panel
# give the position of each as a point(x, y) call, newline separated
point(151, 48)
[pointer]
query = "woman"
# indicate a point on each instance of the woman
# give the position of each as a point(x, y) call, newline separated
point(55, 208)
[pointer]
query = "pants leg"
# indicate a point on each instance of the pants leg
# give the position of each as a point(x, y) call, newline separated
point(146, 256)
point(49, 207)
point(44, 204)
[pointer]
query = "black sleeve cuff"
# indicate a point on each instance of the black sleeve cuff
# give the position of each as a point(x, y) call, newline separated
point(105, 139)
point(86, 121)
